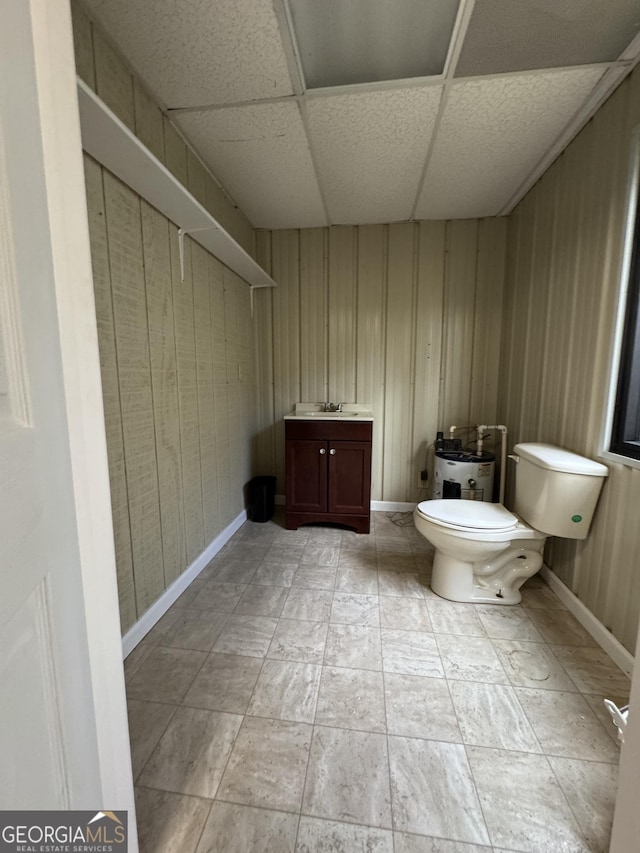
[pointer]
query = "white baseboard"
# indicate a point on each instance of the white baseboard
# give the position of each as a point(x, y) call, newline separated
point(149, 618)
point(392, 506)
point(603, 637)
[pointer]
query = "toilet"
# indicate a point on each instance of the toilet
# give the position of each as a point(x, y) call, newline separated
point(484, 552)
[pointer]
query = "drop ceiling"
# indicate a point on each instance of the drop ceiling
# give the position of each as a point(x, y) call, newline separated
point(378, 110)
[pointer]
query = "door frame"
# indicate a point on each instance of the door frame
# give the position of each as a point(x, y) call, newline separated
point(51, 45)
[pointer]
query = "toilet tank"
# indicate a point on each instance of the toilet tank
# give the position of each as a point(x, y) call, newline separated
point(556, 490)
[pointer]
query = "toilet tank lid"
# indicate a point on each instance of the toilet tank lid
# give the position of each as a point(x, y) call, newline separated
point(557, 459)
point(474, 515)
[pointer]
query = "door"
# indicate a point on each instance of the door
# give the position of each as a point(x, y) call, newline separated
point(349, 477)
point(63, 729)
point(306, 467)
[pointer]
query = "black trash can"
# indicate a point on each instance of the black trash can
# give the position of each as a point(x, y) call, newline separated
point(262, 498)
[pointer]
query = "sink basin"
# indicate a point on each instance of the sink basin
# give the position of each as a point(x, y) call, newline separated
point(350, 412)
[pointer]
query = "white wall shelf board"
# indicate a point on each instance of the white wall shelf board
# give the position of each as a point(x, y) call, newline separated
point(111, 143)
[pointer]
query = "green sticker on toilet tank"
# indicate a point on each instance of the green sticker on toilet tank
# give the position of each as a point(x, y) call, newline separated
point(576, 518)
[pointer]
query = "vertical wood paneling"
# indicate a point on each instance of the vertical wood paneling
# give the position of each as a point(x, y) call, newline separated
point(264, 443)
point(399, 380)
point(134, 374)
point(342, 314)
point(148, 121)
point(114, 82)
point(285, 263)
point(219, 373)
point(110, 392)
point(567, 237)
point(313, 315)
point(157, 272)
point(370, 336)
point(204, 379)
point(187, 397)
point(386, 322)
point(459, 307)
point(487, 321)
point(83, 44)
point(429, 322)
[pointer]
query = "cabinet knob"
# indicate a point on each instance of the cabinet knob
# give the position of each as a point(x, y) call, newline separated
point(333, 451)
point(322, 451)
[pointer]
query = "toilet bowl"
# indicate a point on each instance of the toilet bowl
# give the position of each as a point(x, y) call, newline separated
point(485, 552)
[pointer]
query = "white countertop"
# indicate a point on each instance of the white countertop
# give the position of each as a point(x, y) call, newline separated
point(315, 411)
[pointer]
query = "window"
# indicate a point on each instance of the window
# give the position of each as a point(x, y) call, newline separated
point(625, 427)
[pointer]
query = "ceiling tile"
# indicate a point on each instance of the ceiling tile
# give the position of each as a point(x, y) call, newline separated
point(369, 149)
point(492, 134)
point(199, 52)
point(261, 155)
point(519, 35)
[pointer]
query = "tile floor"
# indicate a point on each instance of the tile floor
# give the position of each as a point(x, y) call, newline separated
point(309, 693)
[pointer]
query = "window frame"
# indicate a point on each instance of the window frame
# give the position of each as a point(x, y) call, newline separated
point(626, 335)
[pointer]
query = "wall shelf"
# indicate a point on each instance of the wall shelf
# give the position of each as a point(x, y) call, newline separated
point(113, 145)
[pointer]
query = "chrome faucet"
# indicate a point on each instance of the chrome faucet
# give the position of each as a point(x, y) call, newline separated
point(333, 407)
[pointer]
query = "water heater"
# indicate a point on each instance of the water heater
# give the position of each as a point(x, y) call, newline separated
point(463, 474)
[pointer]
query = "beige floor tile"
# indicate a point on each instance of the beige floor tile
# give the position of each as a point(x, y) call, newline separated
point(411, 652)
point(532, 665)
point(354, 646)
point(491, 715)
point(541, 598)
point(407, 843)
point(246, 635)
point(351, 699)
point(242, 829)
point(348, 777)
point(325, 836)
point(566, 726)
point(433, 792)
point(507, 623)
point(353, 609)
point(590, 789)
point(352, 541)
point(147, 723)
point(361, 581)
point(286, 690)
point(408, 614)
point(195, 629)
point(315, 577)
point(137, 657)
point(311, 604)
point(560, 627)
point(192, 753)
point(219, 596)
point(169, 822)
point(299, 640)
point(400, 584)
point(321, 535)
point(267, 765)
point(166, 675)
point(286, 552)
point(239, 570)
point(358, 559)
point(420, 707)
point(470, 659)
point(275, 574)
point(450, 617)
point(539, 818)
point(592, 670)
point(225, 683)
point(390, 561)
point(261, 601)
point(317, 553)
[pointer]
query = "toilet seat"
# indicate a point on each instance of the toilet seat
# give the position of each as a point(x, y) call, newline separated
point(468, 516)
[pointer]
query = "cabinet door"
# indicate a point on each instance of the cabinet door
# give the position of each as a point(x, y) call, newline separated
point(306, 466)
point(349, 477)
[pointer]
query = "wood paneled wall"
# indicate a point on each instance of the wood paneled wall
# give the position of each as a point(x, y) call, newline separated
point(564, 256)
point(176, 356)
point(405, 317)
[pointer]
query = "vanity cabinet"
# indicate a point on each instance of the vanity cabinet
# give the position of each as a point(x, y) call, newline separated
point(328, 472)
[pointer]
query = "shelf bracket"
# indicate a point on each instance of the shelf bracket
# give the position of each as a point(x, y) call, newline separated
point(181, 233)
